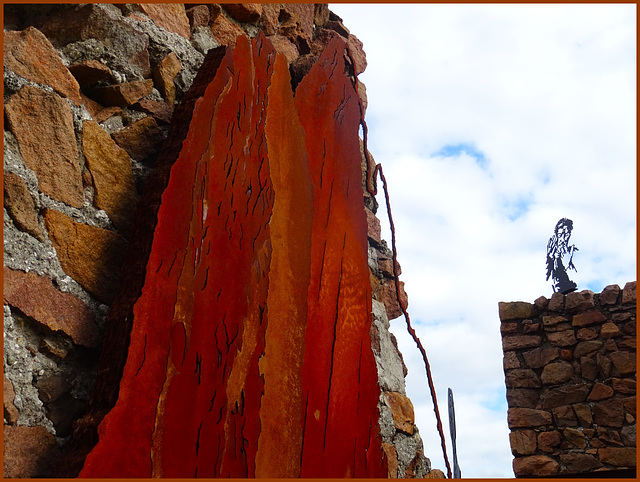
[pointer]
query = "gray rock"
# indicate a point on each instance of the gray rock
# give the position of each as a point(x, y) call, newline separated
point(408, 448)
point(203, 41)
point(21, 367)
point(388, 361)
point(387, 427)
point(161, 43)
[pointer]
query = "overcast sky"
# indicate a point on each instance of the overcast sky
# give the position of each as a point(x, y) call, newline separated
point(492, 122)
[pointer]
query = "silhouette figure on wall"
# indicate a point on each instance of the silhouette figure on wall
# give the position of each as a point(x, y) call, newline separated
point(557, 248)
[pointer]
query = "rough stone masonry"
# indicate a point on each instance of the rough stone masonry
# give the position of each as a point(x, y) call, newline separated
point(89, 92)
point(570, 371)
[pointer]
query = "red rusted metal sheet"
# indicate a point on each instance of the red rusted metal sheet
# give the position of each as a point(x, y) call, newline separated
point(249, 353)
point(339, 373)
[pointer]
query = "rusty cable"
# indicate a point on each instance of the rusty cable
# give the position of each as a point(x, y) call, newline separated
point(372, 188)
point(409, 327)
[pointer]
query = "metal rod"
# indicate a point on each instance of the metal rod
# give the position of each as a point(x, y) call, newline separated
point(452, 430)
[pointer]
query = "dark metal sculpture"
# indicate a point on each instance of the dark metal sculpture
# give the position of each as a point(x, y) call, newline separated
point(452, 429)
point(557, 248)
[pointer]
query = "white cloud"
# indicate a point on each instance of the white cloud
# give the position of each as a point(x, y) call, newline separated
point(547, 94)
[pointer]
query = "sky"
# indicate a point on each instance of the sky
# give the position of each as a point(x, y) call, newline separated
point(491, 123)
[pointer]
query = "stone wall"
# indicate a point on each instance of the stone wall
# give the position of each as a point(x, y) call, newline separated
point(89, 92)
point(570, 371)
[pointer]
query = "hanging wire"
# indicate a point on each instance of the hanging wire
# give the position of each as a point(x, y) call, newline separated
point(372, 172)
point(409, 327)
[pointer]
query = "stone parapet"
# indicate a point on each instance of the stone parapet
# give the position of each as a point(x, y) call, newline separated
point(570, 372)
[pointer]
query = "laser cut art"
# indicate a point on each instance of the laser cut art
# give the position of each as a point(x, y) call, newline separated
point(557, 249)
point(249, 351)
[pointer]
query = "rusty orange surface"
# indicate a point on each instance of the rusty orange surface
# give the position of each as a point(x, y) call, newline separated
point(250, 352)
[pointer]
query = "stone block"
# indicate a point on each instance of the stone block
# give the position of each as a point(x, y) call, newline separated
point(583, 413)
point(610, 345)
point(562, 338)
point(357, 54)
point(522, 378)
point(392, 459)
point(523, 442)
point(515, 310)
point(610, 437)
point(164, 74)
point(20, 205)
point(527, 417)
point(29, 452)
point(141, 139)
point(110, 168)
point(170, 16)
point(586, 347)
point(244, 12)
point(539, 357)
point(522, 397)
point(600, 391)
point(585, 334)
point(104, 114)
point(629, 293)
point(285, 46)
point(402, 411)
point(509, 327)
point(36, 297)
point(121, 95)
point(567, 355)
point(224, 31)
point(588, 318)
point(609, 413)
point(556, 373)
point(549, 440)
point(579, 301)
point(541, 304)
point(43, 125)
point(30, 55)
point(106, 33)
point(435, 474)
point(629, 404)
point(510, 360)
point(550, 320)
point(609, 295)
point(628, 435)
point(535, 465)
point(604, 365)
point(629, 328)
point(52, 387)
point(575, 462)
point(624, 361)
point(302, 15)
point(618, 457)
point(388, 296)
point(520, 342)
point(626, 386)
point(10, 411)
point(564, 416)
point(564, 395)
point(575, 437)
point(627, 343)
point(269, 20)
point(198, 17)
point(556, 303)
point(529, 326)
point(588, 367)
point(92, 256)
point(160, 111)
point(90, 72)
